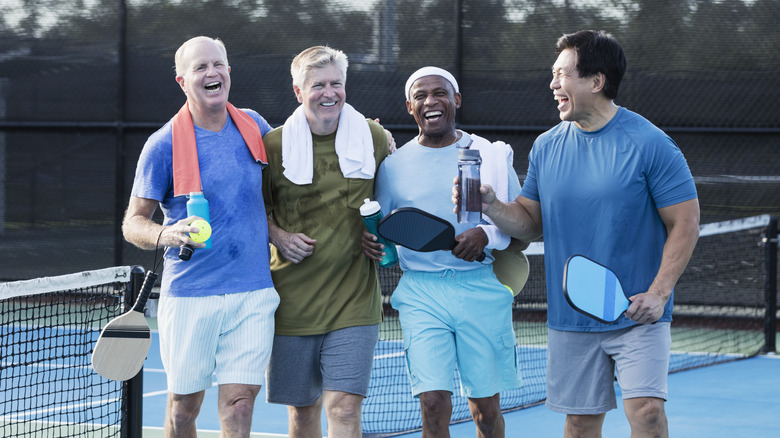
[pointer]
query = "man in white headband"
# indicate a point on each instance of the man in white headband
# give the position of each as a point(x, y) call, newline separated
point(430, 71)
point(454, 307)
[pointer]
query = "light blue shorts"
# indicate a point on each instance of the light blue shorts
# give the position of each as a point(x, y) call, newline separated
point(229, 336)
point(457, 317)
point(581, 367)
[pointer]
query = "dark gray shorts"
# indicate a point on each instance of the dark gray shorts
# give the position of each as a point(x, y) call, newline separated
point(302, 367)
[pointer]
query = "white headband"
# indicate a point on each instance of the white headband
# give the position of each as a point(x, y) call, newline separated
point(430, 71)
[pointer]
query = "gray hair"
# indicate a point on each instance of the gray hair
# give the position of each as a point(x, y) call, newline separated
point(198, 39)
point(317, 57)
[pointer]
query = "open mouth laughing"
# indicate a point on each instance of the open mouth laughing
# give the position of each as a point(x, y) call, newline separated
point(432, 116)
point(213, 87)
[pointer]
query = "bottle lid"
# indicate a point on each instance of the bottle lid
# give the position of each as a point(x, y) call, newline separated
point(468, 155)
point(192, 194)
point(369, 207)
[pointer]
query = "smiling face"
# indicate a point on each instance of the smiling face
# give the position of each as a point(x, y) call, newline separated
point(204, 76)
point(433, 102)
point(323, 95)
point(575, 95)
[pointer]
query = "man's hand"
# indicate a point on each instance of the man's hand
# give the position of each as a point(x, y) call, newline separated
point(177, 235)
point(139, 229)
point(471, 244)
point(294, 246)
point(647, 307)
point(371, 248)
point(390, 142)
point(390, 139)
point(486, 190)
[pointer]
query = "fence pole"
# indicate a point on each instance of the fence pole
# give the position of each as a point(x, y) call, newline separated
point(119, 164)
point(133, 391)
point(770, 291)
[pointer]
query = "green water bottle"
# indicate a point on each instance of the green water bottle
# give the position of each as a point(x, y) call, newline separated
point(372, 214)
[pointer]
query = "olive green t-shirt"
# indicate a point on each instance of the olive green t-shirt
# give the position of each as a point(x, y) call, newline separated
point(337, 286)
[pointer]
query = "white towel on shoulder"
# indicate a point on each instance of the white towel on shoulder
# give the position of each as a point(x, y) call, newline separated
point(495, 158)
point(494, 171)
point(354, 146)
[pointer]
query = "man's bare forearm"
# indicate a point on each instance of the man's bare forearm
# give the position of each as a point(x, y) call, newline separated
point(514, 219)
point(141, 232)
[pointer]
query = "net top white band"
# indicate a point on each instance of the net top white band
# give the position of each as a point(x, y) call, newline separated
point(120, 274)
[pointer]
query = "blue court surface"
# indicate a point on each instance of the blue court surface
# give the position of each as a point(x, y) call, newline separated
point(734, 399)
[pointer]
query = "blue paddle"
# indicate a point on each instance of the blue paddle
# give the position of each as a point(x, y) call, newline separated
point(593, 289)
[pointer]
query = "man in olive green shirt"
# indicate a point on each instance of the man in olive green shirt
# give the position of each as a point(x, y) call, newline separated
point(322, 166)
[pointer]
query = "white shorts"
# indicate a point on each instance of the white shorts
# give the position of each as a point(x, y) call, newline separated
point(229, 336)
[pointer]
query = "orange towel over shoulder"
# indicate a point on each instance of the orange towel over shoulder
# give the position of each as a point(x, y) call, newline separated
point(186, 170)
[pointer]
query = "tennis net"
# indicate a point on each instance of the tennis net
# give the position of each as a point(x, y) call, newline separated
point(720, 309)
point(49, 328)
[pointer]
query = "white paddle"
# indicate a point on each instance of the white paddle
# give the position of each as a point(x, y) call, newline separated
point(123, 344)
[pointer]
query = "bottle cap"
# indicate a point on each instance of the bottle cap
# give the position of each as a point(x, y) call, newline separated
point(468, 155)
point(369, 207)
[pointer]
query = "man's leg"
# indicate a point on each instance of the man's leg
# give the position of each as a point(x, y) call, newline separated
point(583, 426)
point(343, 413)
point(236, 403)
point(181, 413)
point(304, 421)
point(436, 409)
point(647, 417)
point(487, 416)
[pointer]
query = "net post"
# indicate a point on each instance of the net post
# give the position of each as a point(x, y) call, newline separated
point(770, 318)
point(132, 417)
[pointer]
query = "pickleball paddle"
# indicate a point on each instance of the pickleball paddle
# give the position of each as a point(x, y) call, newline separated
point(418, 230)
point(593, 289)
point(124, 342)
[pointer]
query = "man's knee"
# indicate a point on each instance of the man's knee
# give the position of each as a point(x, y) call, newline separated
point(646, 413)
point(583, 425)
point(344, 408)
point(183, 409)
point(436, 403)
point(486, 413)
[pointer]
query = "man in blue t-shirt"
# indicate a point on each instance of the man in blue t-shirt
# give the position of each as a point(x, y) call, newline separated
point(216, 310)
point(607, 184)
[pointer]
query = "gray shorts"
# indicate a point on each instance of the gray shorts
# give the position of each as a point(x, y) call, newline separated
point(581, 367)
point(302, 367)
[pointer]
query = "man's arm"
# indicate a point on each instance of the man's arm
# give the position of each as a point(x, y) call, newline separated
point(682, 227)
point(294, 246)
point(521, 218)
point(139, 229)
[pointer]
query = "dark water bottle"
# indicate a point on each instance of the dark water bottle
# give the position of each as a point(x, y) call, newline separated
point(470, 203)
point(372, 214)
point(197, 205)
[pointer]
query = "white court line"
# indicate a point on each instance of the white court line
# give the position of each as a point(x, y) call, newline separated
point(58, 409)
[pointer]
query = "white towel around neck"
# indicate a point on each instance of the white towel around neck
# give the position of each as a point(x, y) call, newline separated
point(354, 146)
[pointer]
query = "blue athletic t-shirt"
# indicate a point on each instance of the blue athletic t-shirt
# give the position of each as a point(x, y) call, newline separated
point(232, 183)
point(599, 193)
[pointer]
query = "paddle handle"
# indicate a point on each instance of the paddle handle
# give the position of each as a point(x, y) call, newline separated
point(146, 289)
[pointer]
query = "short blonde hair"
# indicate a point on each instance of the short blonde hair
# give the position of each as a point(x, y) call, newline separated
point(198, 39)
point(317, 57)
